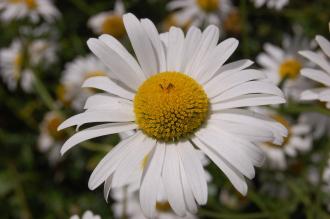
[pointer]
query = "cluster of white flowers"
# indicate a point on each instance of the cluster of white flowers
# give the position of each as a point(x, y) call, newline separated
point(177, 103)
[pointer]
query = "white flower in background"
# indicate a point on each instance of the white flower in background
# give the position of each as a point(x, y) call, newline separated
point(12, 62)
point(87, 215)
point(232, 199)
point(299, 139)
point(110, 22)
point(50, 140)
point(32, 9)
point(200, 12)
point(74, 74)
point(172, 20)
point(176, 97)
point(284, 64)
point(42, 52)
point(321, 74)
point(276, 4)
point(319, 123)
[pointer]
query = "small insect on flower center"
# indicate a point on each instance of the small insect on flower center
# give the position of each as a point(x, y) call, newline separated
point(287, 125)
point(208, 5)
point(170, 106)
point(290, 68)
point(114, 26)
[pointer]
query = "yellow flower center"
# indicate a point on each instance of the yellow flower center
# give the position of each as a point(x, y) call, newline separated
point(169, 106)
point(52, 124)
point(114, 26)
point(233, 22)
point(286, 124)
point(31, 4)
point(208, 5)
point(61, 92)
point(290, 68)
point(163, 207)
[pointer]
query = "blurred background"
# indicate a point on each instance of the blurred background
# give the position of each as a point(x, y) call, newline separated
point(44, 60)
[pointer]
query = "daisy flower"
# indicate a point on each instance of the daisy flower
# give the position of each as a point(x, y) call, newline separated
point(232, 199)
point(177, 97)
point(299, 139)
point(69, 92)
point(50, 140)
point(32, 9)
point(12, 62)
point(110, 22)
point(200, 12)
point(87, 215)
point(172, 20)
point(276, 4)
point(320, 75)
point(284, 64)
point(319, 123)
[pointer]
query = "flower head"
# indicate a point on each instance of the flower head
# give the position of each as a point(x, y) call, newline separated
point(32, 9)
point(178, 96)
point(110, 22)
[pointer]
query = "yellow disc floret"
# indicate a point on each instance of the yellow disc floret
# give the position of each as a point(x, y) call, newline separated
point(290, 68)
point(114, 25)
point(170, 106)
point(208, 5)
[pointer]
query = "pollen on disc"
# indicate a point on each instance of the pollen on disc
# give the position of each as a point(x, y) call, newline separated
point(170, 106)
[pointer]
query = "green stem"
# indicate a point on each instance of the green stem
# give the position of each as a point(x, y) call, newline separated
point(245, 38)
point(43, 93)
point(26, 213)
point(300, 108)
point(82, 6)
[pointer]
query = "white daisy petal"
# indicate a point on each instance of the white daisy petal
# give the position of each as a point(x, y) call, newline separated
point(317, 59)
point(96, 131)
point(116, 61)
point(276, 52)
point(172, 181)
point(316, 75)
point(235, 177)
point(132, 160)
point(235, 66)
point(249, 100)
point(114, 44)
point(104, 83)
point(324, 44)
point(110, 162)
point(187, 191)
point(190, 47)
point(222, 144)
point(151, 180)
point(141, 44)
point(194, 171)
point(107, 187)
point(209, 40)
point(248, 88)
point(174, 50)
point(151, 30)
point(98, 101)
point(216, 59)
point(98, 116)
point(311, 94)
point(220, 84)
